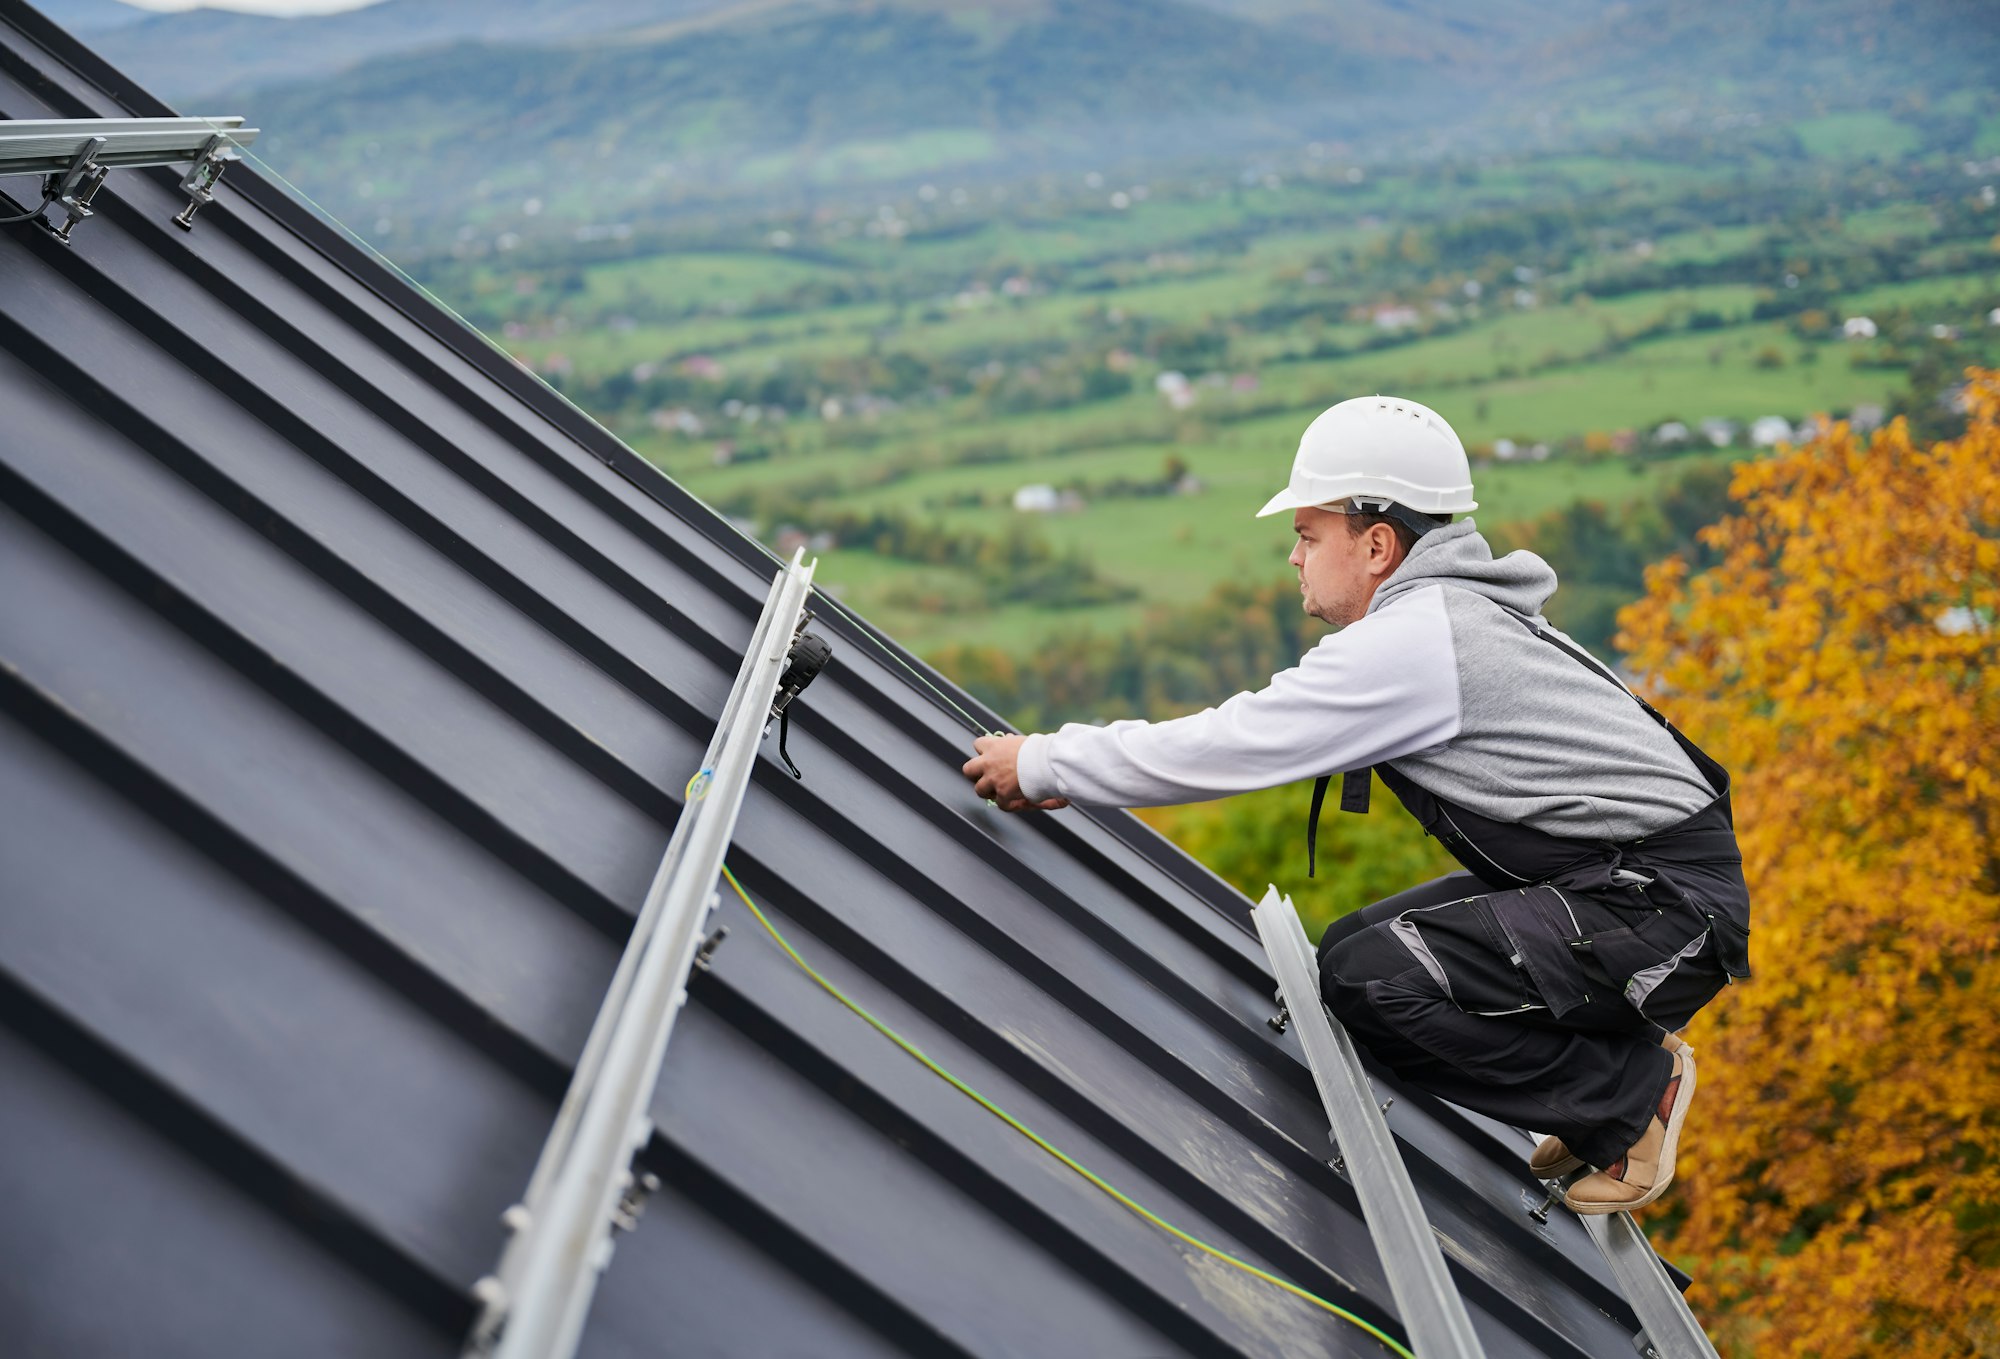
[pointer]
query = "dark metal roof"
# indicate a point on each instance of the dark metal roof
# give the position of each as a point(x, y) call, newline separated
point(348, 684)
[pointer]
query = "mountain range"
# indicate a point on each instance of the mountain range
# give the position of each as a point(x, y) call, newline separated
point(659, 101)
point(204, 51)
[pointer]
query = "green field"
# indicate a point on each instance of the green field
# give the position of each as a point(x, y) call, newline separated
point(840, 370)
point(1849, 136)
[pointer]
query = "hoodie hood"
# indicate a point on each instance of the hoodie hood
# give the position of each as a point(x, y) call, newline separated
point(1457, 555)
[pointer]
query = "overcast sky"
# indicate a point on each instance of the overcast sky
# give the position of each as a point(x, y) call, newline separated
point(257, 6)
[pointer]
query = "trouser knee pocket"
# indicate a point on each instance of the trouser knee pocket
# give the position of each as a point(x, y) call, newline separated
point(1467, 954)
point(1542, 930)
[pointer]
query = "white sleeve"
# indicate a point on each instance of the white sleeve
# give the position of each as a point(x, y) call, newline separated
point(1380, 688)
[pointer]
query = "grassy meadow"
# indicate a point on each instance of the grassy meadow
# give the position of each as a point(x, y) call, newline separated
point(880, 381)
point(1151, 351)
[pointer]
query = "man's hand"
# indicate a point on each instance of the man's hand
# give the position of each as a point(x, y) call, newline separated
point(995, 775)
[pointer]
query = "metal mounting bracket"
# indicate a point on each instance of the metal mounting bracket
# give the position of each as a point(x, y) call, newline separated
point(704, 957)
point(73, 156)
point(200, 180)
point(72, 189)
point(1659, 1306)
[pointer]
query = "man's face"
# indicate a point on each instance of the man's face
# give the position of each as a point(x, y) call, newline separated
point(1339, 570)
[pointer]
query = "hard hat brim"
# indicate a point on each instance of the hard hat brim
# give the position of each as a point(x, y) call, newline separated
point(1279, 503)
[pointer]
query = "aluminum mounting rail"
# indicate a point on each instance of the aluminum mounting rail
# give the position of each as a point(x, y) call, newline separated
point(1668, 1329)
point(46, 146)
point(533, 1306)
point(1433, 1313)
point(74, 155)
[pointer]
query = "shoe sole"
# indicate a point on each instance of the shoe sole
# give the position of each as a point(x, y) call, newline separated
point(1670, 1147)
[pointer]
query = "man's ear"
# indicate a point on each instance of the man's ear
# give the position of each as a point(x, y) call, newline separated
point(1384, 549)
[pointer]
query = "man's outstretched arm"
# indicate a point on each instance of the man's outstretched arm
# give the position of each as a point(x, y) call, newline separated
point(1382, 688)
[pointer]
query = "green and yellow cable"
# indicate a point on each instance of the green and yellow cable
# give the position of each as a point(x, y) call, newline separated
point(1091, 1177)
point(699, 786)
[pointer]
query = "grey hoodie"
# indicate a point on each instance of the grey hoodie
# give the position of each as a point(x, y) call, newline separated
point(1439, 679)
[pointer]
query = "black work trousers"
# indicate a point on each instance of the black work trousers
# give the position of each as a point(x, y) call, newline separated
point(1538, 1007)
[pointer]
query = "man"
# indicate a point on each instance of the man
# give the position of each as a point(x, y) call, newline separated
point(1602, 901)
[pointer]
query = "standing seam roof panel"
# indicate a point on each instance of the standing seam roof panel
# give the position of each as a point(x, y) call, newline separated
point(348, 681)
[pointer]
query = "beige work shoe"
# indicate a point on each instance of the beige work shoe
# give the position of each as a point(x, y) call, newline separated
point(1643, 1173)
point(1551, 1160)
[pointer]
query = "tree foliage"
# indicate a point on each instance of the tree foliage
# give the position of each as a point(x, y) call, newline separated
point(1600, 554)
point(1841, 1184)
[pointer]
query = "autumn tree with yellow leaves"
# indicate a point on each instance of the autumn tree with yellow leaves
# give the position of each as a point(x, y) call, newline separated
point(1839, 1184)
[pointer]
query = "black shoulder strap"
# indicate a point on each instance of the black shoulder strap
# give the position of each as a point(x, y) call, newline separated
point(1312, 821)
point(1354, 784)
point(1592, 664)
point(1354, 790)
point(1705, 765)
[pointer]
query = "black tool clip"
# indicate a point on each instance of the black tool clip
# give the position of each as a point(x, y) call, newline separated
point(809, 655)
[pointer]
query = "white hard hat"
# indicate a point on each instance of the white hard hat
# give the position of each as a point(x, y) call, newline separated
point(1379, 448)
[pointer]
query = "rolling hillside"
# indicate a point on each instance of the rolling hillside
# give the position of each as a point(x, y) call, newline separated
point(823, 94)
point(429, 105)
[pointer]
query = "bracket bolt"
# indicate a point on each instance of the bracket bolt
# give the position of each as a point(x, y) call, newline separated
point(705, 955)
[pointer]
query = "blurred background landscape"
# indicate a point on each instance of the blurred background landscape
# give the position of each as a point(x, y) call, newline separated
point(1013, 311)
